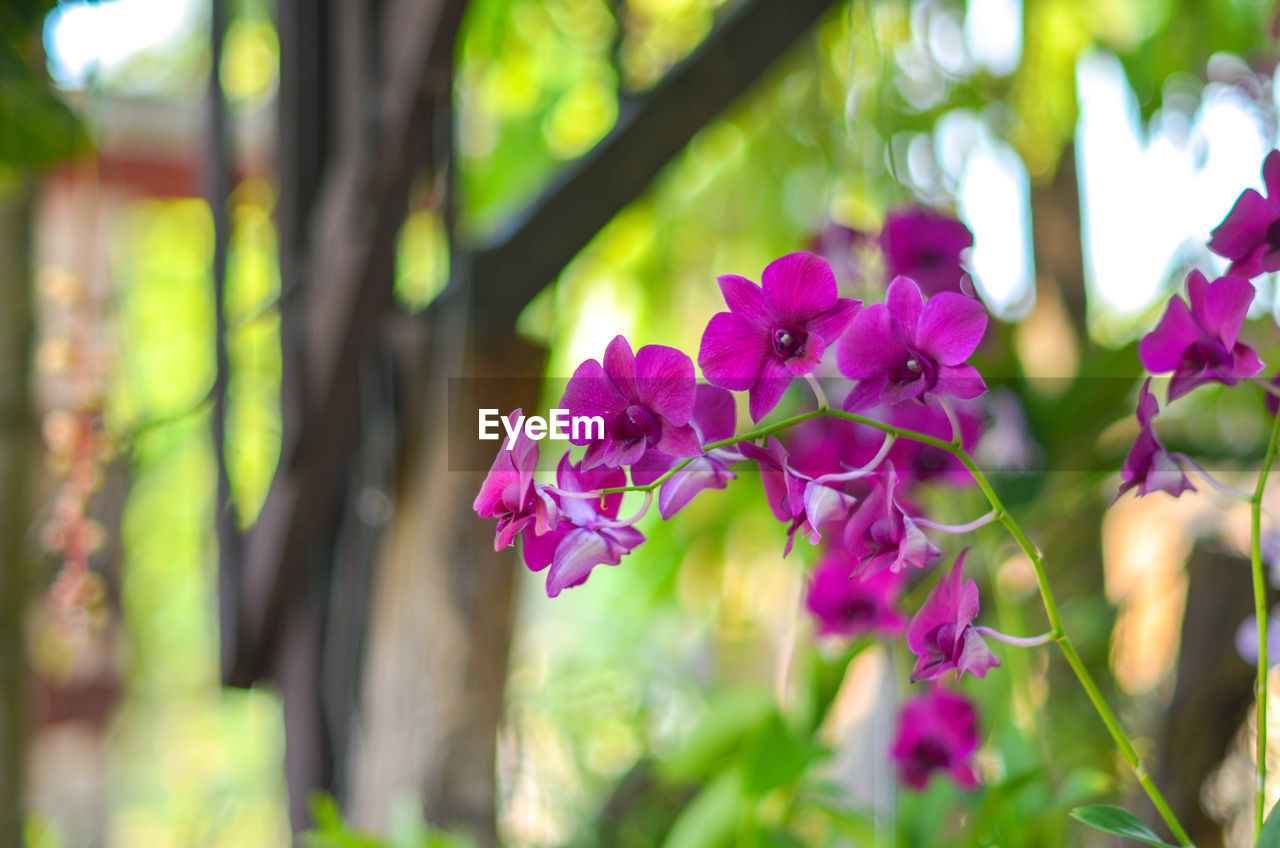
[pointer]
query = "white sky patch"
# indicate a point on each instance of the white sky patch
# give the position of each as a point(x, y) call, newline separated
point(83, 37)
point(1146, 201)
point(995, 201)
point(993, 33)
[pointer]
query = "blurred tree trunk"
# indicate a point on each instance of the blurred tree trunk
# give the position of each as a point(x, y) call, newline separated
point(1213, 691)
point(440, 612)
point(365, 100)
point(16, 451)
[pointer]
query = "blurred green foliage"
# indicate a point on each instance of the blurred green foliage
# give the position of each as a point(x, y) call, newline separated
point(679, 699)
point(192, 764)
point(36, 127)
point(406, 830)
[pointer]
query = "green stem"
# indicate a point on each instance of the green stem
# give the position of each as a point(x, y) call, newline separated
point(1057, 631)
point(1068, 649)
point(1260, 613)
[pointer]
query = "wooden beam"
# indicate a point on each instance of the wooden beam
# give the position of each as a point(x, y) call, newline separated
point(359, 214)
point(651, 130)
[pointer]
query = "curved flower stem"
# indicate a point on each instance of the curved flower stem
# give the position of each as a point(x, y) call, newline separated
point(582, 496)
point(1214, 482)
point(1018, 641)
point(1260, 611)
point(817, 390)
point(1271, 387)
point(863, 471)
point(956, 434)
point(1056, 633)
point(627, 522)
point(1068, 648)
point(983, 521)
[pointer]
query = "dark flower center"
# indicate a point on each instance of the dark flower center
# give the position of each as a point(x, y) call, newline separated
point(911, 366)
point(635, 423)
point(886, 533)
point(943, 641)
point(930, 459)
point(1272, 235)
point(928, 258)
point(929, 754)
point(788, 340)
point(1206, 355)
point(857, 610)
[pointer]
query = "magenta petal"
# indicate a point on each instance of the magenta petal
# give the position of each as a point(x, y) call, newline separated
point(489, 501)
point(714, 413)
point(745, 299)
point(905, 303)
point(954, 601)
point(915, 549)
point(1223, 306)
point(951, 326)
point(823, 505)
point(864, 395)
point(870, 345)
point(1271, 175)
point(733, 351)
point(963, 774)
point(1245, 362)
point(1268, 260)
point(579, 552)
point(936, 732)
point(618, 454)
point(582, 550)
point(650, 467)
point(1163, 474)
point(1161, 349)
point(508, 531)
point(590, 392)
point(895, 393)
point(809, 359)
point(975, 657)
point(959, 381)
point(539, 551)
point(1251, 264)
point(687, 483)
point(798, 286)
point(830, 325)
point(773, 476)
point(579, 479)
point(596, 453)
point(1244, 227)
point(524, 455)
point(768, 388)
point(1148, 406)
point(679, 441)
point(620, 366)
point(665, 382)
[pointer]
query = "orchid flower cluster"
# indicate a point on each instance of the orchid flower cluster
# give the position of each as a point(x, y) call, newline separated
point(842, 477)
point(847, 476)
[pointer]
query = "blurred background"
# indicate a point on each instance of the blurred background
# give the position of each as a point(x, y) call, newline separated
point(248, 249)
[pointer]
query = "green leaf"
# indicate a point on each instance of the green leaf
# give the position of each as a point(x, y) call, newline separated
point(729, 720)
point(324, 811)
point(1270, 836)
point(709, 820)
point(36, 127)
point(777, 757)
point(1119, 821)
point(1082, 784)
